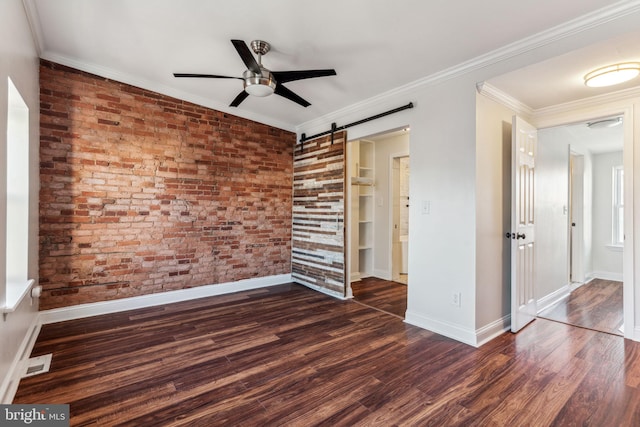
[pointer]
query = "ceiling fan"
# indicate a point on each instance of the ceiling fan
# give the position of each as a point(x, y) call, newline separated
point(258, 80)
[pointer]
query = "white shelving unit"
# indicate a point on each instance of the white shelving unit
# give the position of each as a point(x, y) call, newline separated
point(362, 181)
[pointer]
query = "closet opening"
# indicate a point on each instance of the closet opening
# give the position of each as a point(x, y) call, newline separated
point(377, 234)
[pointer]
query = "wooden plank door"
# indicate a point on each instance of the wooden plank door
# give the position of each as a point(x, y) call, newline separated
point(318, 248)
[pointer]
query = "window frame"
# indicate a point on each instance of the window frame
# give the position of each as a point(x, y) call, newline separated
point(16, 283)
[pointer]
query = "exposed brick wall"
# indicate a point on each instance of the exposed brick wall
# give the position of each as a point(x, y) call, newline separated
point(143, 193)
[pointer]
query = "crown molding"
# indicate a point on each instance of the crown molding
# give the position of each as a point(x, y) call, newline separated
point(541, 115)
point(358, 107)
point(505, 99)
point(33, 18)
point(585, 22)
point(163, 89)
point(591, 102)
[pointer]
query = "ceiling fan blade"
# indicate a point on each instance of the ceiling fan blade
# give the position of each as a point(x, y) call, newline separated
point(207, 76)
point(246, 55)
point(241, 97)
point(289, 76)
point(284, 92)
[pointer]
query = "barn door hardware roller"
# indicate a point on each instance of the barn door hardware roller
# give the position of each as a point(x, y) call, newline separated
point(335, 128)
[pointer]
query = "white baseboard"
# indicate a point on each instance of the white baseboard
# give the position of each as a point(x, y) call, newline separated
point(607, 275)
point(354, 277)
point(382, 274)
point(349, 293)
point(553, 298)
point(475, 338)
point(18, 367)
point(450, 330)
point(142, 301)
point(492, 330)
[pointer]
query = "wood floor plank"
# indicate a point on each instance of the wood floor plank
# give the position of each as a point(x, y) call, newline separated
point(286, 355)
point(541, 404)
point(632, 364)
point(595, 305)
point(381, 294)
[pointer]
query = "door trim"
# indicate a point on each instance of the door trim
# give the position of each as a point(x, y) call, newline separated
point(392, 157)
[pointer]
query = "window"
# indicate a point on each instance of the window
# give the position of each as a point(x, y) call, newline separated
point(617, 218)
point(17, 197)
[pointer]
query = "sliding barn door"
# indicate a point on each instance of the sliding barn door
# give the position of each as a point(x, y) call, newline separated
point(318, 249)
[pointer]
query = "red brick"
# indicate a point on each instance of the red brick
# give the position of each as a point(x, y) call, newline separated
point(154, 193)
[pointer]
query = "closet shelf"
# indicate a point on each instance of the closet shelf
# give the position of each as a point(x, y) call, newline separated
point(357, 180)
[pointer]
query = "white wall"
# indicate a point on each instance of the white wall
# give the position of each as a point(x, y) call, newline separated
point(552, 209)
point(384, 149)
point(607, 261)
point(552, 236)
point(443, 252)
point(18, 60)
point(493, 210)
point(442, 243)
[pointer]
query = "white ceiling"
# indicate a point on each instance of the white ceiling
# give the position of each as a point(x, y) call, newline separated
point(374, 45)
point(594, 140)
point(561, 79)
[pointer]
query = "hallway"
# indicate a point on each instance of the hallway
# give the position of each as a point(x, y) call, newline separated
point(596, 305)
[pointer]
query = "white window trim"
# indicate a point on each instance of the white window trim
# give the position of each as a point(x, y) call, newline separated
point(16, 284)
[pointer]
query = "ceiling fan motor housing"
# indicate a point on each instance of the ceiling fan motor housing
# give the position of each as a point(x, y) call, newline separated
point(262, 84)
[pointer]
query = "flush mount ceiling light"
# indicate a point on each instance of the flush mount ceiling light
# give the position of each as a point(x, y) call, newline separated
point(612, 74)
point(605, 123)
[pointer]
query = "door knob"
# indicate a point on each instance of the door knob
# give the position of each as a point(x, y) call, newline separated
point(521, 236)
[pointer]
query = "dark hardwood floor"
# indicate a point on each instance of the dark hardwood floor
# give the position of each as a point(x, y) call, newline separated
point(287, 355)
point(596, 305)
point(382, 294)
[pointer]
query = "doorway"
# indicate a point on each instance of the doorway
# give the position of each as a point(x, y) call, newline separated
point(593, 295)
point(378, 226)
point(400, 218)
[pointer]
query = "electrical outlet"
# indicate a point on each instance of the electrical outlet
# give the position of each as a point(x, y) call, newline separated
point(455, 299)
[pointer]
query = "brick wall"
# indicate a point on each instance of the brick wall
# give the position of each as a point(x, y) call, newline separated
point(142, 193)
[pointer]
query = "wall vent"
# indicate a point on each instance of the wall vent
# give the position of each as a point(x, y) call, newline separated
point(38, 365)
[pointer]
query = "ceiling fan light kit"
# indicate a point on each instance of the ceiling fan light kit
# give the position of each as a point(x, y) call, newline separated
point(258, 80)
point(259, 84)
point(612, 74)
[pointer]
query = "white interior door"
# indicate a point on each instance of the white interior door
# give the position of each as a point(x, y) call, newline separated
point(523, 153)
point(576, 264)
